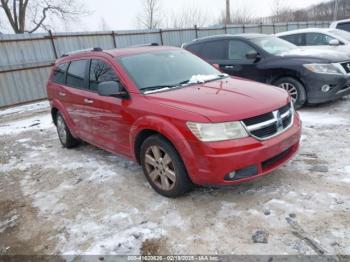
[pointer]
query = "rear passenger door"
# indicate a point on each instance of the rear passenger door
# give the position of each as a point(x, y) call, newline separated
point(108, 121)
point(74, 96)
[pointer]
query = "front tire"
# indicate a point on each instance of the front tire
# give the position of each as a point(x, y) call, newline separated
point(66, 138)
point(164, 168)
point(294, 88)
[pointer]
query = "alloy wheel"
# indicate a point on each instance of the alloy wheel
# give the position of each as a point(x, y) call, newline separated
point(160, 168)
point(291, 89)
point(61, 130)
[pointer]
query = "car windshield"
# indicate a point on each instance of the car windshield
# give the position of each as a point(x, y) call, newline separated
point(341, 33)
point(162, 70)
point(273, 45)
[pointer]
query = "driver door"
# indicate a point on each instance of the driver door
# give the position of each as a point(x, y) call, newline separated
point(108, 119)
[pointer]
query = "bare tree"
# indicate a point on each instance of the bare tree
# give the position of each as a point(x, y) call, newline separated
point(281, 11)
point(188, 16)
point(30, 15)
point(240, 15)
point(150, 18)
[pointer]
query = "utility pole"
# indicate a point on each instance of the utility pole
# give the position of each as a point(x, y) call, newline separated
point(228, 15)
point(335, 15)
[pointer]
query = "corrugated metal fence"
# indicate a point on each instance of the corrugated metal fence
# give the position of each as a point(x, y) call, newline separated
point(26, 60)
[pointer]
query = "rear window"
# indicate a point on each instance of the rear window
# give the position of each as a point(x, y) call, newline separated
point(76, 74)
point(59, 73)
point(344, 26)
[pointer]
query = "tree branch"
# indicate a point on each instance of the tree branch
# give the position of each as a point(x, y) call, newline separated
point(41, 20)
point(5, 6)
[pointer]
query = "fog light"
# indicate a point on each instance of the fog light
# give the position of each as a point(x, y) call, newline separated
point(232, 175)
point(325, 88)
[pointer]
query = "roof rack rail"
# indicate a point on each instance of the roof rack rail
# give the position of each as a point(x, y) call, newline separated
point(147, 44)
point(95, 49)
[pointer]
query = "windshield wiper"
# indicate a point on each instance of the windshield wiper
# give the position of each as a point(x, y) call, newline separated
point(151, 88)
point(220, 76)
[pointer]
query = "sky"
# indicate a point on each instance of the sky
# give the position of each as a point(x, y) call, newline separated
point(122, 14)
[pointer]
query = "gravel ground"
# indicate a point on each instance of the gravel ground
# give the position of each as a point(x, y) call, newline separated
point(87, 201)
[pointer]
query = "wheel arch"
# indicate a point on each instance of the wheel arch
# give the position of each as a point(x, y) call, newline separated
point(151, 125)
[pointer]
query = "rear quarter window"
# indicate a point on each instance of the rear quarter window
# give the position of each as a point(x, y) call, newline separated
point(59, 73)
point(195, 48)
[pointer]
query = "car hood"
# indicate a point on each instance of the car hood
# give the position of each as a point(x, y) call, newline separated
point(326, 54)
point(341, 48)
point(224, 100)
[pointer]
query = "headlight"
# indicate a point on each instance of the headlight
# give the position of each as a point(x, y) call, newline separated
point(209, 132)
point(323, 68)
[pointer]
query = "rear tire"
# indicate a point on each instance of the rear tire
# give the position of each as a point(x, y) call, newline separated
point(163, 167)
point(66, 138)
point(295, 89)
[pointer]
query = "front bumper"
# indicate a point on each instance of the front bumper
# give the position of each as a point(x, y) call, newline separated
point(254, 158)
point(340, 86)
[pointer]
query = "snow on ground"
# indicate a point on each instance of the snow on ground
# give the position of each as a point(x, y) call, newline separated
point(28, 124)
point(87, 201)
point(24, 108)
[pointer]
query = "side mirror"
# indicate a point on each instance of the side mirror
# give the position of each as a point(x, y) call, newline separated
point(253, 55)
point(334, 42)
point(111, 88)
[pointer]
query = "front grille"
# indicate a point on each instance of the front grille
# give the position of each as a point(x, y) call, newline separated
point(270, 124)
point(346, 67)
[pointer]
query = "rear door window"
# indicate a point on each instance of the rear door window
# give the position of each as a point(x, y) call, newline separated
point(59, 73)
point(100, 72)
point(76, 74)
point(214, 50)
point(297, 39)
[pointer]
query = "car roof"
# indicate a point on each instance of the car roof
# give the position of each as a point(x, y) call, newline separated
point(305, 30)
point(335, 23)
point(138, 50)
point(227, 36)
point(114, 52)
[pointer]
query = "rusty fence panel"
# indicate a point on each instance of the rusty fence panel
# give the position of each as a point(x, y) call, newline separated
point(26, 60)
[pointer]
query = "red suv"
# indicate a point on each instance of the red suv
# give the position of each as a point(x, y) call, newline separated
point(179, 117)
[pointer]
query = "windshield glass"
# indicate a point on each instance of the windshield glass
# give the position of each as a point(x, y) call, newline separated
point(165, 69)
point(341, 33)
point(273, 45)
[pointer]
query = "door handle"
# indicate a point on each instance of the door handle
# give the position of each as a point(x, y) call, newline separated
point(62, 94)
point(230, 67)
point(88, 101)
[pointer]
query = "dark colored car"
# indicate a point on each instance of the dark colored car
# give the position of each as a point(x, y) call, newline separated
point(179, 117)
point(309, 75)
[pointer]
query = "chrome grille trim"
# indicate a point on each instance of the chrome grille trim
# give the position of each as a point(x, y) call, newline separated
point(276, 122)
